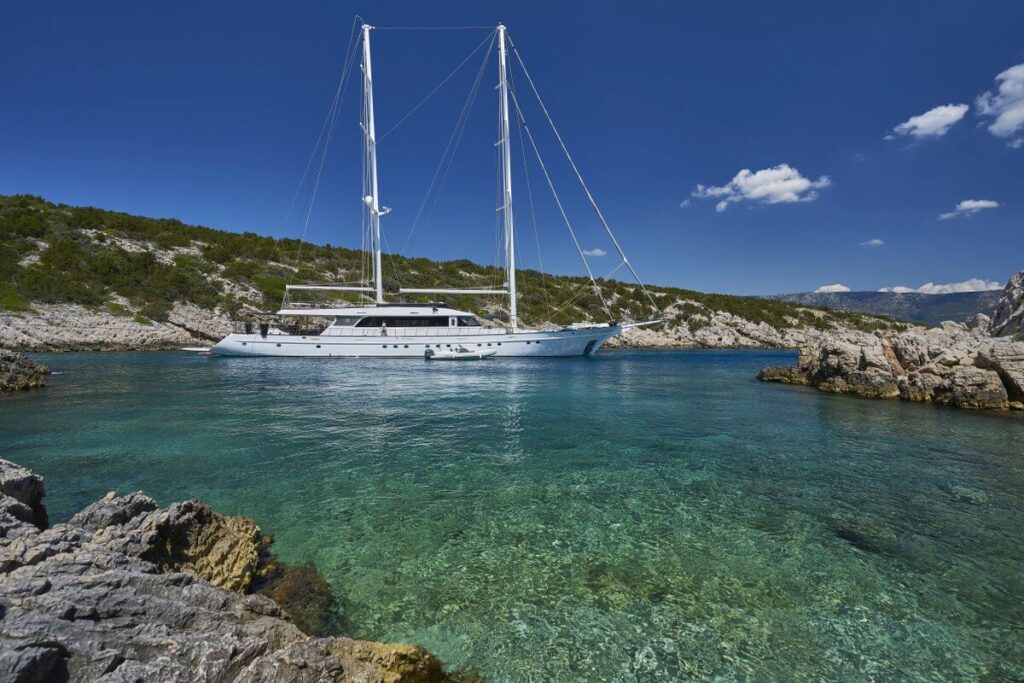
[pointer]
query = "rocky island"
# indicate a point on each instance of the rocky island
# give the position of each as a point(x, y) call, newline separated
point(978, 364)
point(128, 591)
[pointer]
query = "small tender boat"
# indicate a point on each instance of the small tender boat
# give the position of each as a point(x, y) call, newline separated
point(460, 352)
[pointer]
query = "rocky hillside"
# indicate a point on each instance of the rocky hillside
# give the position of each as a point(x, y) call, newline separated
point(927, 309)
point(78, 278)
point(129, 591)
point(956, 364)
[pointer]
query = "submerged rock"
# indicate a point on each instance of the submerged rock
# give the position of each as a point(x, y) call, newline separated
point(124, 592)
point(786, 374)
point(18, 372)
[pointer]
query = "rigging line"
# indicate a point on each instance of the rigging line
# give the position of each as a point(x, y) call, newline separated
point(459, 123)
point(316, 145)
point(579, 177)
point(332, 119)
point(561, 209)
point(436, 88)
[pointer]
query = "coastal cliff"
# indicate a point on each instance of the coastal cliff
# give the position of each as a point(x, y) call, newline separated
point(976, 365)
point(127, 590)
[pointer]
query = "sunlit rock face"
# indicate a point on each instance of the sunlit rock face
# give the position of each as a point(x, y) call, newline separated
point(1008, 316)
point(955, 364)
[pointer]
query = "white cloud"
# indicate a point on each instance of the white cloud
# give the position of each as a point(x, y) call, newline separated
point(827, 289)
point(1006, 106)
point(873, 242)
point(595, 252)
point(934, 123)
point(975, 284)
point(683, 204)
point(968, 207)
point(780, 185)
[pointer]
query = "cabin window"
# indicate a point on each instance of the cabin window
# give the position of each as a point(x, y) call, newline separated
point(346, 321)
point(425, 321)
point(468, 321)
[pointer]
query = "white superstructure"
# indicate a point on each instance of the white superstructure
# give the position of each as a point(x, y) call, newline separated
point(418, 330)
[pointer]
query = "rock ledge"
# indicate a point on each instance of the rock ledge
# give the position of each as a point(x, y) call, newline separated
point(129, 591)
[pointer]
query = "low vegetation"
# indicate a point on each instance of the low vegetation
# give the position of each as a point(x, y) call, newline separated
point(139, 267)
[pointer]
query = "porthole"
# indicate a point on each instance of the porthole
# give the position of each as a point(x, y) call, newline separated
point(245, 343)
point(318, 346)
point(488, 343)
point(395, 345)
point(406, 346)
point(385, 346)
point(279, 346)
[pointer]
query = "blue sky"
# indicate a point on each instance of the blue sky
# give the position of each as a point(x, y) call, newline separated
point(208, 112)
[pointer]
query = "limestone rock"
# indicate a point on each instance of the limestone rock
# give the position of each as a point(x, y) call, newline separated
point(1008, 316)
point(973, 388)
point(1007, 359)
point(83, 601)
point(185, 537)
point(950, 365)
point(918, 386)
point(68, 327)
point(871, 383)
point(18, 372)
point(22, 493)
point(978, 321)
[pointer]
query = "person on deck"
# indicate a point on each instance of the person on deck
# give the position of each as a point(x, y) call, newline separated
point(383, 329)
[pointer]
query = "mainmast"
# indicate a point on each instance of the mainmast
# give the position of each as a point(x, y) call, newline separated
point(370, 134)
point(506, 179)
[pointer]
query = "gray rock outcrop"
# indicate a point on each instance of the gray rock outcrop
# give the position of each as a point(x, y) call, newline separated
point(18, 372)
point(1008, 316)
point(68, 327)
point(954, 364)
point(125, 592)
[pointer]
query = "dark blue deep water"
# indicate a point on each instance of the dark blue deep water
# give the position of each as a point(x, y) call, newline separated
point(636, 516)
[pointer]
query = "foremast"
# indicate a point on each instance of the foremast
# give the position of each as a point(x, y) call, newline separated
point(370, 143)
point(506, 179)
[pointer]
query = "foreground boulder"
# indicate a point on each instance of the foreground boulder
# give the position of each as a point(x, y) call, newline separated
point(18, 372)
point(125, 591)
point(954, 364)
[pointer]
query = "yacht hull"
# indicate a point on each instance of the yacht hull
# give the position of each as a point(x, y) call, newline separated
point(545, 343)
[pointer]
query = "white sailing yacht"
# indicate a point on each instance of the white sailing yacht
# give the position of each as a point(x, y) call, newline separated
point(423, 330)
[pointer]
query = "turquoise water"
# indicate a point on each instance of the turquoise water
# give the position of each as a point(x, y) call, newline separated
point(635, 516)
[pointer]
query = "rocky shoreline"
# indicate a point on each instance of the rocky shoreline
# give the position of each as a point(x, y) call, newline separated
point(955, 365)
point(129, 591)
point(977, 365)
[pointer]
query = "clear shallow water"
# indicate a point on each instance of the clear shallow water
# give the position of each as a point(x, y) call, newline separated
point(633, 516)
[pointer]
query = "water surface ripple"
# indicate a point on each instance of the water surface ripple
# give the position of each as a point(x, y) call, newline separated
point(636, 516)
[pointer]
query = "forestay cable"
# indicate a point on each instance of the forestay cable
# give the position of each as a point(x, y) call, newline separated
point(579, 177)
point(558, 202)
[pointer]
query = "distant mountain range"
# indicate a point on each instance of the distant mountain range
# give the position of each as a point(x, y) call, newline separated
point(931, 309)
